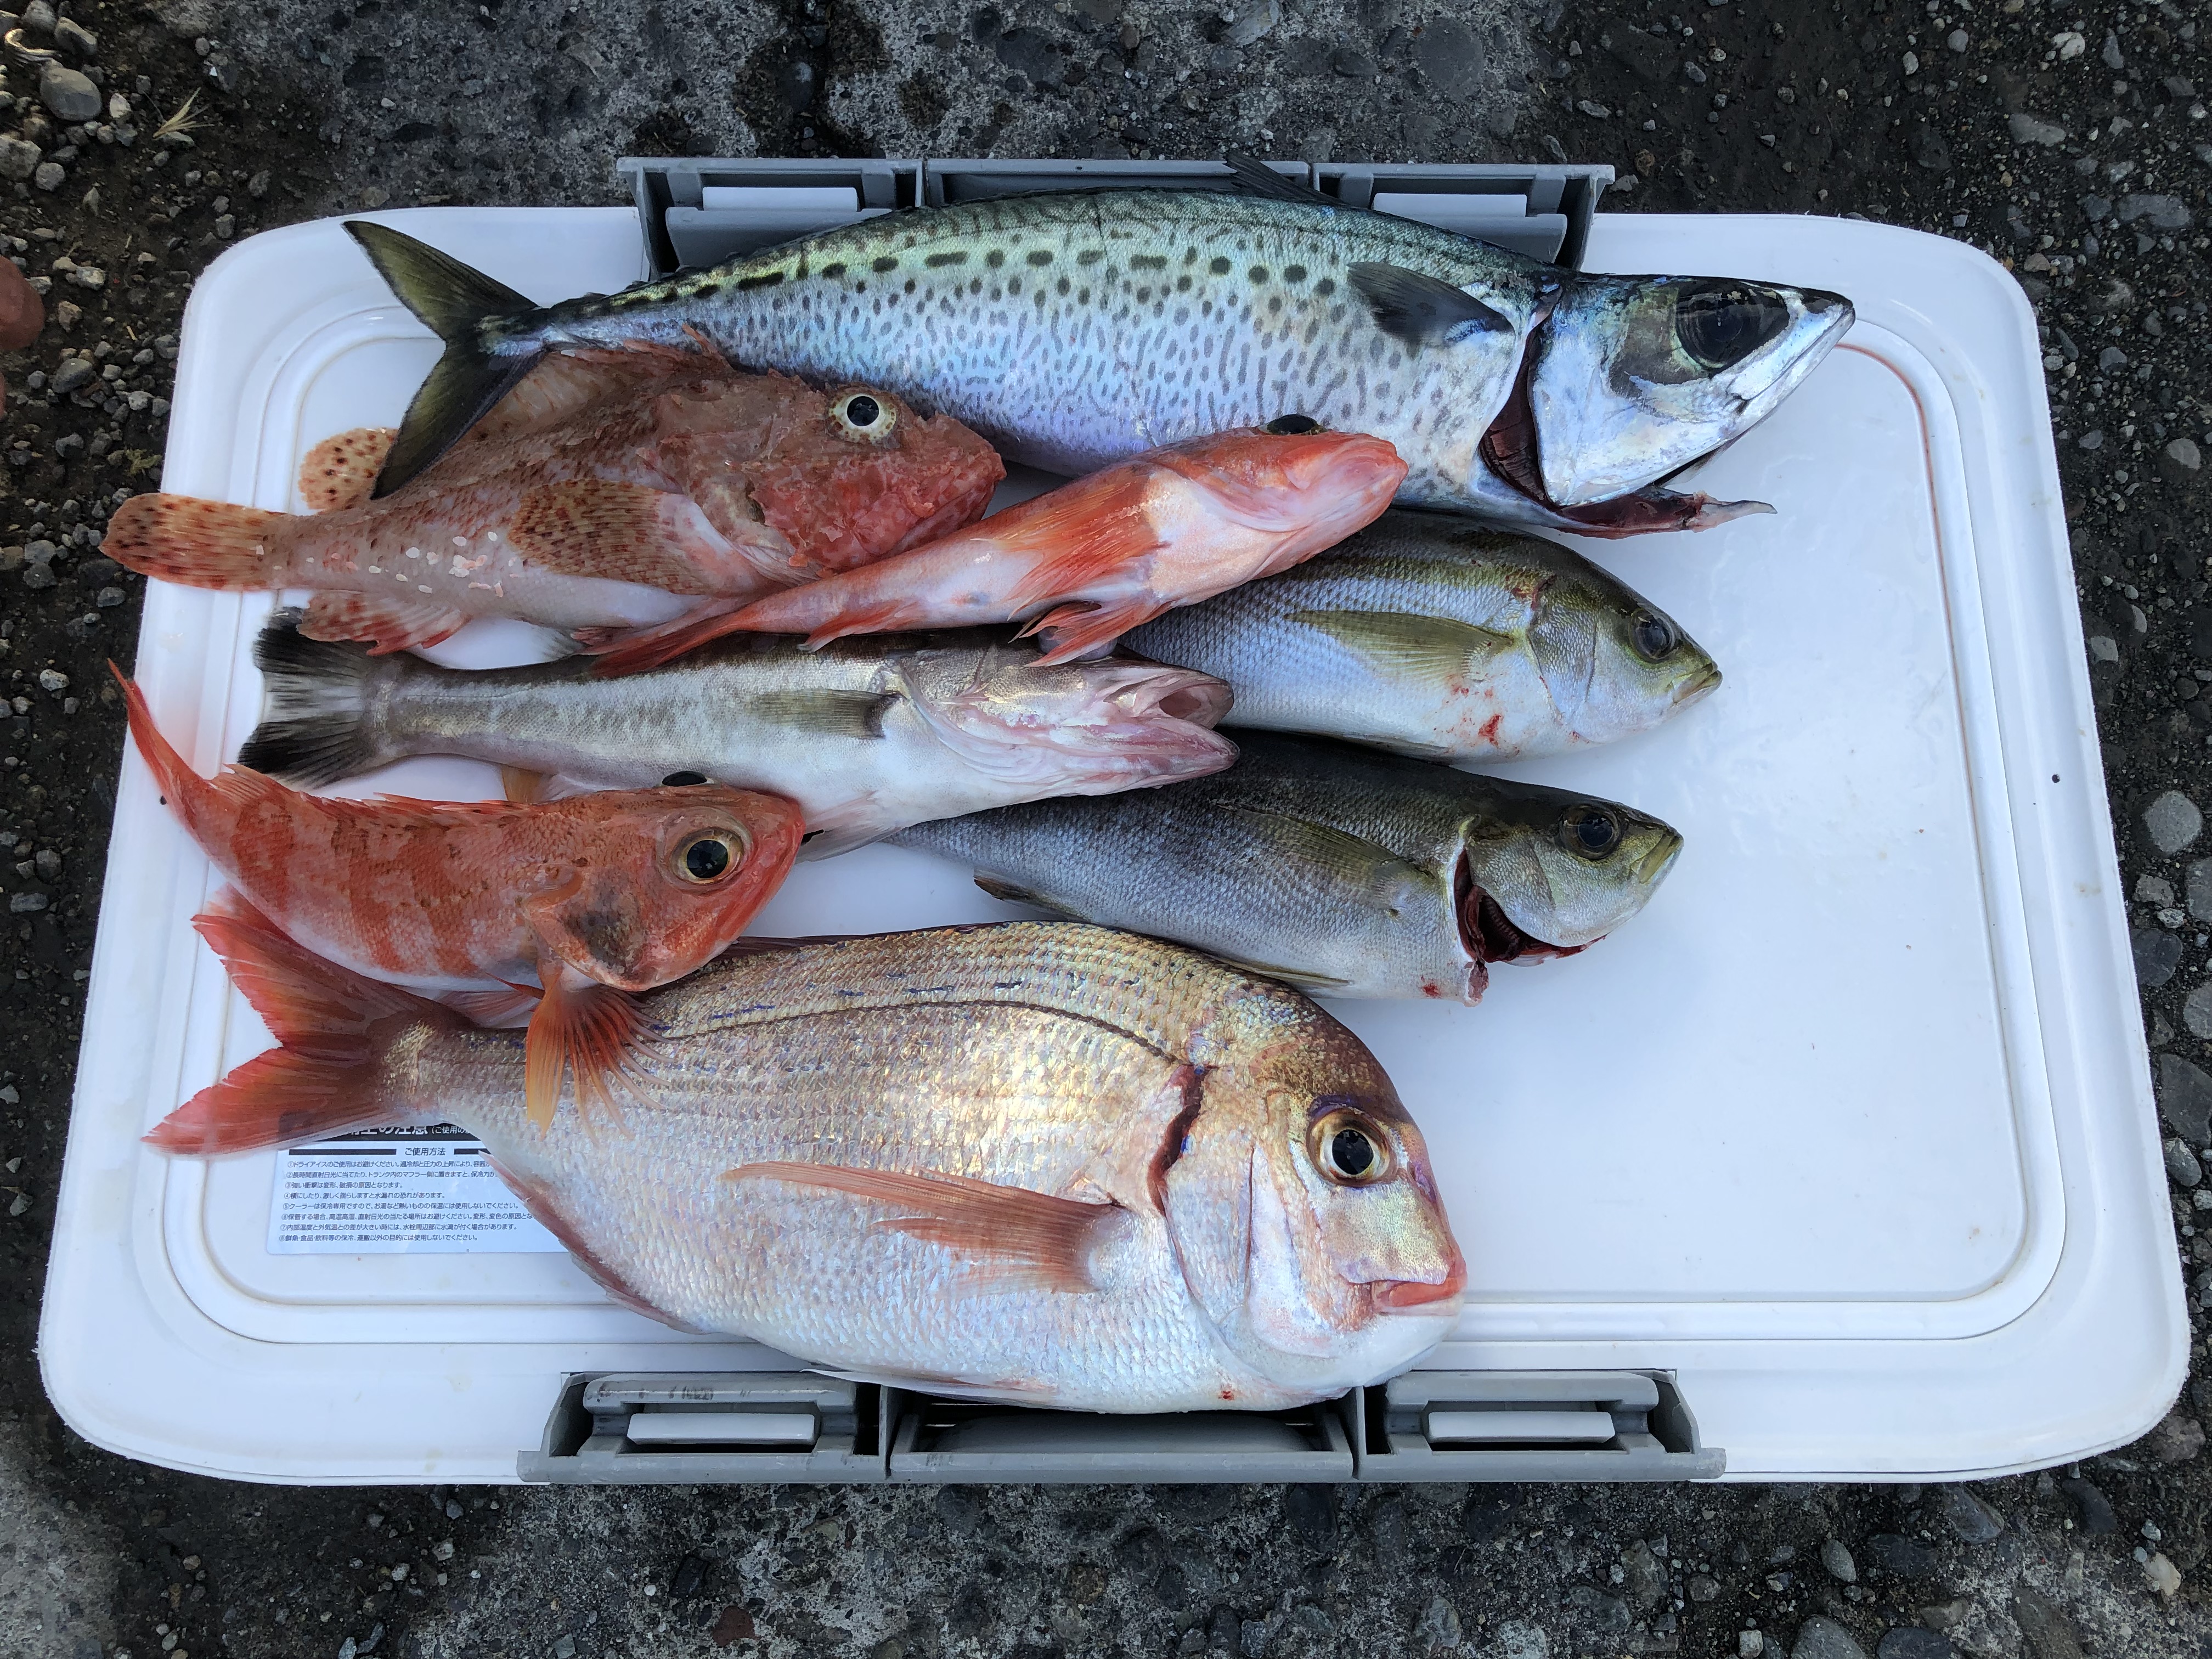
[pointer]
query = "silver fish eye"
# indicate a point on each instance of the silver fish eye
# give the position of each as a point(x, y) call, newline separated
point(1724, 323)
point(1654, 637)
point(1589, 831)
point(862, 415)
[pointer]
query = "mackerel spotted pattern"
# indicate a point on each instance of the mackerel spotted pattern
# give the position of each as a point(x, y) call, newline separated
point(1044, 322)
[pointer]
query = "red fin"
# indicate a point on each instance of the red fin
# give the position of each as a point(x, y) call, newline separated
point(341, 471)
point(888, 617)
point(327, 1078)
point(1079, 533)
point(522, 787)
point(536, 1197)
point(492, 1008)
point(1032, 1239)
point(200, 543)
point(582, 1024)
point(616, 531)
point(1077, 628)
point(634, 650)
point(387, 625)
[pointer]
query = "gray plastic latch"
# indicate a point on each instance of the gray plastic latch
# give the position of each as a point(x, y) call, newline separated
point(1531, 1425)
point(695, 211)
point(709, 1427)
point(949, 1441)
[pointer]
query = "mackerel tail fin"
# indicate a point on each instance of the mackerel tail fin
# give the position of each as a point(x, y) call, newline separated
point(334, 1028)
point(455, 303)
point(320, 726)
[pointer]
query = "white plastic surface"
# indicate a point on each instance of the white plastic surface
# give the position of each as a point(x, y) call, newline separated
point(1851, 1128)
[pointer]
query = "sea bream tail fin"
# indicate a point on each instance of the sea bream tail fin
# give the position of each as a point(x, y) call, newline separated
point(198, 544)
point(334, 1028)
point(319, 727)
point(455, 303)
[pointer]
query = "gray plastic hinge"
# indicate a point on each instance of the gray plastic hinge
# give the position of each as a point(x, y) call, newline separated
point(709, 1427)
point(1543, 211)
point(1530, 1426)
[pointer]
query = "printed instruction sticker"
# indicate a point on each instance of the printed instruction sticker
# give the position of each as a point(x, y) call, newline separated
point(395, 1192)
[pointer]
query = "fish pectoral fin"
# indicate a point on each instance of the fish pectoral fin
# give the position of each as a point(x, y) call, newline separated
point(1423, 310)
point(826, 713)
point(1076, 536)
point(1072, 630)
point(536, 1197)
point(341, 471)
point(1017, 1238)
point(1303, 978)
point(1410, 644)
point(613, 532)
point(579, 1025)
point(632, 650)
point(388, 625)
point(524, 787)
point(492, 1007)
point(1010, 894)
point(1371, 875)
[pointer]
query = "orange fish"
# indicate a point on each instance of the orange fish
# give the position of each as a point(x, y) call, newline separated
point(592, 898)
point(620, 492)
point(1094, 558)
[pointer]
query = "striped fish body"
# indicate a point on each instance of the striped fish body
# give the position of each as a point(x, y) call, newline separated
point(1075, 329)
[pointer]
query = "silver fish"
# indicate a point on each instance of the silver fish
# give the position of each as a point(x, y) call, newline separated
point(1429, 636)
point(1330, 866)
point(1049, 1164)
point(1078, 329)
point(866, 736)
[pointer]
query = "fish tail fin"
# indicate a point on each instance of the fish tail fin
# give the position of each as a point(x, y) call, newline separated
point(456, 304)
point(582, 1024)
point(198, 544)
point(334, 1028)
point(322, 723)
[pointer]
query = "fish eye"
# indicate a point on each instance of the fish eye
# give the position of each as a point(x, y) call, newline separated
point(1722, 326)
point(862, 415)
point(1349, 1150)
point(1590, 831)
point(709, 856)
point(682, 780)
point(1655, 636)
point(1292, 426)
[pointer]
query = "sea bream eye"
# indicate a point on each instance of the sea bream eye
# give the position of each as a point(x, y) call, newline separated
point(1653, 634)
point(1591, 831)
point(706, 858)
point(1722, 326)
point(862, 415)
point(1349, 1150)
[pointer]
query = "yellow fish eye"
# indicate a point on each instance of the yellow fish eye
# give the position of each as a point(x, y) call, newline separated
point(1349, 1149)
point(706, 858)
point(864, 415)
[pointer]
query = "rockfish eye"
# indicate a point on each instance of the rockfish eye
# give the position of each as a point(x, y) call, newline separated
point(862, 415)
point(1719, 326)
point(1292, 426)
point(1590, 831)
point(1654, 636)
point(710, 855)
point(1349, 1150)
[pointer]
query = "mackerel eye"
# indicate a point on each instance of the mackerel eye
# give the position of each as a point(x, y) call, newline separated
point(1293, 426)
point(1590, 832)
point(1655, 636)
point(709, 856)
point(862, 415)
point(1349, 1150)
point(1722, 326)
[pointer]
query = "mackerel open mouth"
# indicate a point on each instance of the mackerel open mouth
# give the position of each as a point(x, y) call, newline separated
point(1488, 933)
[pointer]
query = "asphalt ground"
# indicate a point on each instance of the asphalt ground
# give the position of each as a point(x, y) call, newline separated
point(2084, 166)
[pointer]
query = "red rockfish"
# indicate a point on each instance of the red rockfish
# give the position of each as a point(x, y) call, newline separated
point(592, 898)
point(1093, 559)
point(622, 491)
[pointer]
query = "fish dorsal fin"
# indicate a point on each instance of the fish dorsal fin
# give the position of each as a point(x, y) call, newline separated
point(619, 531)
point(1408, 643)
point(1018, 1239)
point(388, 625)
point(1254, 176)
point(341, 471)
point(580, 1025)
point(1374, 875)
point(1423, 310)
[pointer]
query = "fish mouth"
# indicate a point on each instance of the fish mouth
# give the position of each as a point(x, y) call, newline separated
point(1488, 934)
point(1655, 863)
point(1702, 684)
point(1410, 1296)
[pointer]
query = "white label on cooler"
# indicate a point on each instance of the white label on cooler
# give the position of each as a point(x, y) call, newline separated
point(390, 1193)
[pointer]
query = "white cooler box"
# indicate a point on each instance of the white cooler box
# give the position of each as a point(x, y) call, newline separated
point(1838, 1161)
